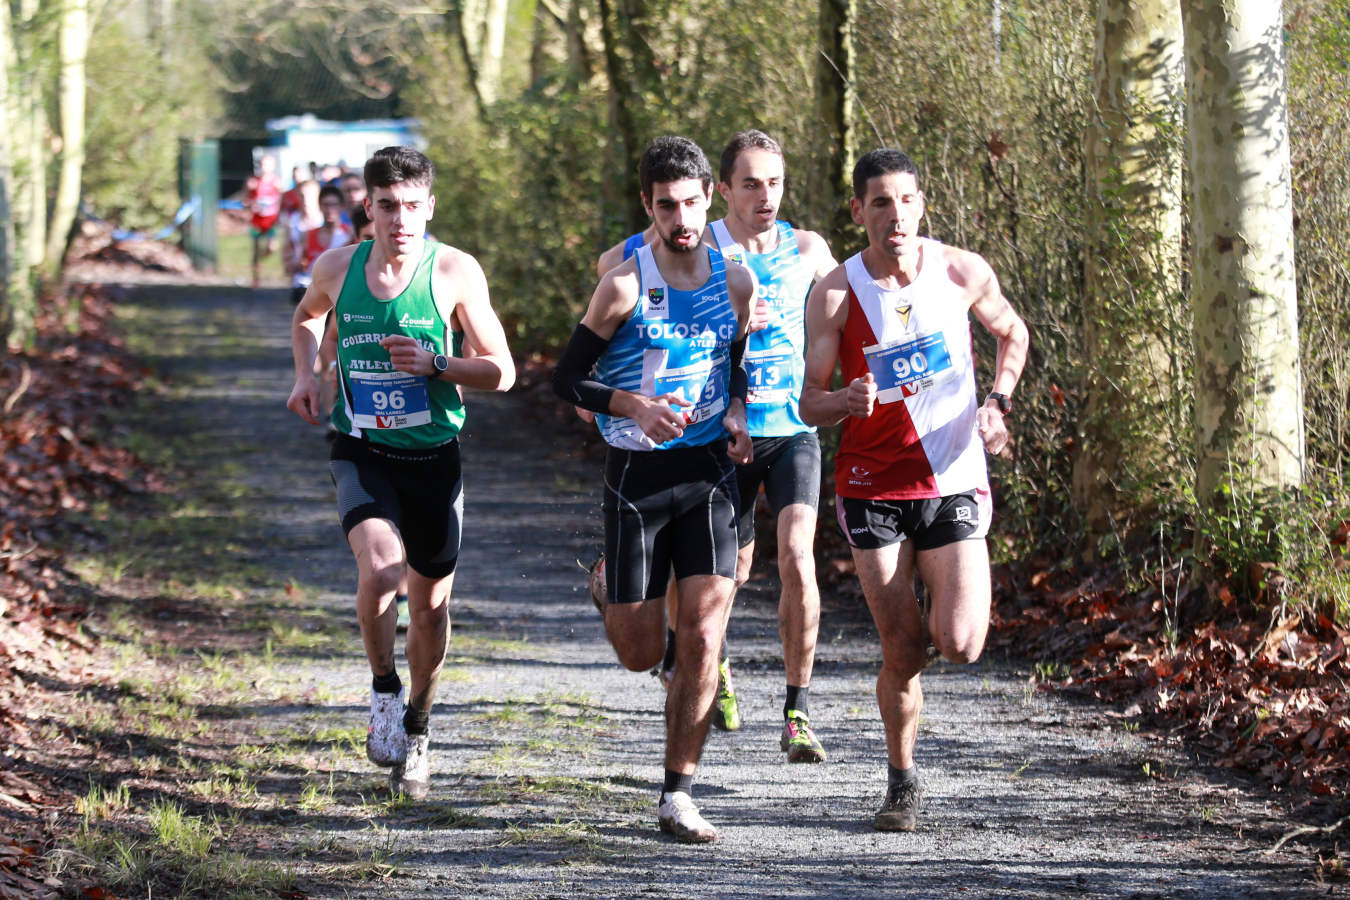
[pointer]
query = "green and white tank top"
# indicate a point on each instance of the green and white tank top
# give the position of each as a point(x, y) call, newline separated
point(375, 401)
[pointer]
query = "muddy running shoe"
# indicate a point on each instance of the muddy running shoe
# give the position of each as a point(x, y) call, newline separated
point(386, 741)
point(726, 711)
point(799, 741)
point(413, 778)
point(900, 812)
point(680, 819)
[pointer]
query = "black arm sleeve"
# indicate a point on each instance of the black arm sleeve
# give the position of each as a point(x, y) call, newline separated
point(572, 379)
point(740, 381)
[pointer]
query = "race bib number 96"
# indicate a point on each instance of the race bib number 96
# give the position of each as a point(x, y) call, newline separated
point(389, 400)
point(908, 368)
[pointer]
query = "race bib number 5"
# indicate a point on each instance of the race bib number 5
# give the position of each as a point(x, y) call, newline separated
point(905, 369)
point(389, 400)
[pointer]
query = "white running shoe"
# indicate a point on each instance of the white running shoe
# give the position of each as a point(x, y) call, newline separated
point(413, 778)
point(386, 742)
point(679, 817)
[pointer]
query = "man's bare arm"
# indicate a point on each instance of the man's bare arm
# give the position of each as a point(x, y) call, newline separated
point(826, 313)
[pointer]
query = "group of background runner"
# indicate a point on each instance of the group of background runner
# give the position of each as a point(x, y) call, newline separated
point(707, 358)
point(322, 210)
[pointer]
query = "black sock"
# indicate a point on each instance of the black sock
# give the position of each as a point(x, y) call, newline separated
point(676, 781)
point(669, 662)
point(416, 721)
point(896, 776)
point(387, 684)
point(796, 699)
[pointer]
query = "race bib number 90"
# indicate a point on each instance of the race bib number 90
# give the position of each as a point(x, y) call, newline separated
point(909, 368)
point(389, 400)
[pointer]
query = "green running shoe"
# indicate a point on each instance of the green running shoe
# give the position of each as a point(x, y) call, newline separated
point(726, 711)
point(799, 741)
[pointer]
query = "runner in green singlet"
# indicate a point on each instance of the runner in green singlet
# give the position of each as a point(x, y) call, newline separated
point(414, 324)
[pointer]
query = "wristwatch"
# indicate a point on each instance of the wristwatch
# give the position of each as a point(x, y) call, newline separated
point(1004, 404)
point(440, 364)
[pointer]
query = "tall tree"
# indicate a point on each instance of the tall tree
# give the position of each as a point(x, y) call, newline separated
point(72, 47)
point(1248, 391)
point(835, 100)
point(27, 124)
point(10, 277)
point(1128, 441)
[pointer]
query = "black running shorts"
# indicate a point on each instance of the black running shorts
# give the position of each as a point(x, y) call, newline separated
point(667, 508)
point(789, 469)
point(871, 524)
point(420, 491)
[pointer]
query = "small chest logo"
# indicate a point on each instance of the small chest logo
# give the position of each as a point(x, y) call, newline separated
point(656, 298)
point(904, 312)
point(408, 321)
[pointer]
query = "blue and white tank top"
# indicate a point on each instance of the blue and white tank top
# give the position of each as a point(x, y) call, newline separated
point(775, 356)
point(675, 342)
point(631, 245)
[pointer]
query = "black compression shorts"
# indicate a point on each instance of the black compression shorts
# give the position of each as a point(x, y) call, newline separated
point(789, 469)
point(420, 491)
point(932, 523)
point(667, 508)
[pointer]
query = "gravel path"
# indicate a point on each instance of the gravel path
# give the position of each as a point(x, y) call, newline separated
point(547, 755)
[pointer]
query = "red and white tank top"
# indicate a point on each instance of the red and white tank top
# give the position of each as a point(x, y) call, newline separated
point(921, 439)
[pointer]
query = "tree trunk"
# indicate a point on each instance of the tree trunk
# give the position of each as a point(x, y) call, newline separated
point(835, 102)
point(1248, 389)
point(28, 143)
point(9, 270)
point(493, 43)
point(1130, 436)
point(74, 44)
point(625, 146)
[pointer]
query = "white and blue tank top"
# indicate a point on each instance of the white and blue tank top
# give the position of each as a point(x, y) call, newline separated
point(775, 355)
point(674, 342)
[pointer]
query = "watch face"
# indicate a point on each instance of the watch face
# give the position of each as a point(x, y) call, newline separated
point(440, 363)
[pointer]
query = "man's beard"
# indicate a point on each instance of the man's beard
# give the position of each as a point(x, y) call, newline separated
point(681, 248)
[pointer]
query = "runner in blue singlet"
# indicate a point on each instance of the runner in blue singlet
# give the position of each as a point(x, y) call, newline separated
point(785, 261)
point(657, 357)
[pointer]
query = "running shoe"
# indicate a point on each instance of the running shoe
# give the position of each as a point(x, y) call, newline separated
point(680, 819)
point(667, 676)
point(413, 778)
point(900, 812)
point(799, 741)
point(599, 595)
point(726, 711)
point(386, 742)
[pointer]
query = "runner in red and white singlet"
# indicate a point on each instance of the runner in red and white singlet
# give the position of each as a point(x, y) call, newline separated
point(911, 486)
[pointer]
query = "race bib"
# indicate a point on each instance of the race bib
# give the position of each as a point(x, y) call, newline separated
point(691, 383)
point(389, 400)
point(770, 374)
point(907, 368)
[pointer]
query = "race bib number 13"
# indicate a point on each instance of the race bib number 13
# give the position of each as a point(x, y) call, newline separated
point(389, 400)
point(908, 368)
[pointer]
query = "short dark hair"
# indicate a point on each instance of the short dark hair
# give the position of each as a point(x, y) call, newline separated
point(398, 165)
point(741, 141)
point(881, 162)
point(672, 158)
point(332, 190)
point(360, 218)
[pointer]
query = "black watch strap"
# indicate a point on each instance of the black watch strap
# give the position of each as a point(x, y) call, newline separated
point(1004, 404)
